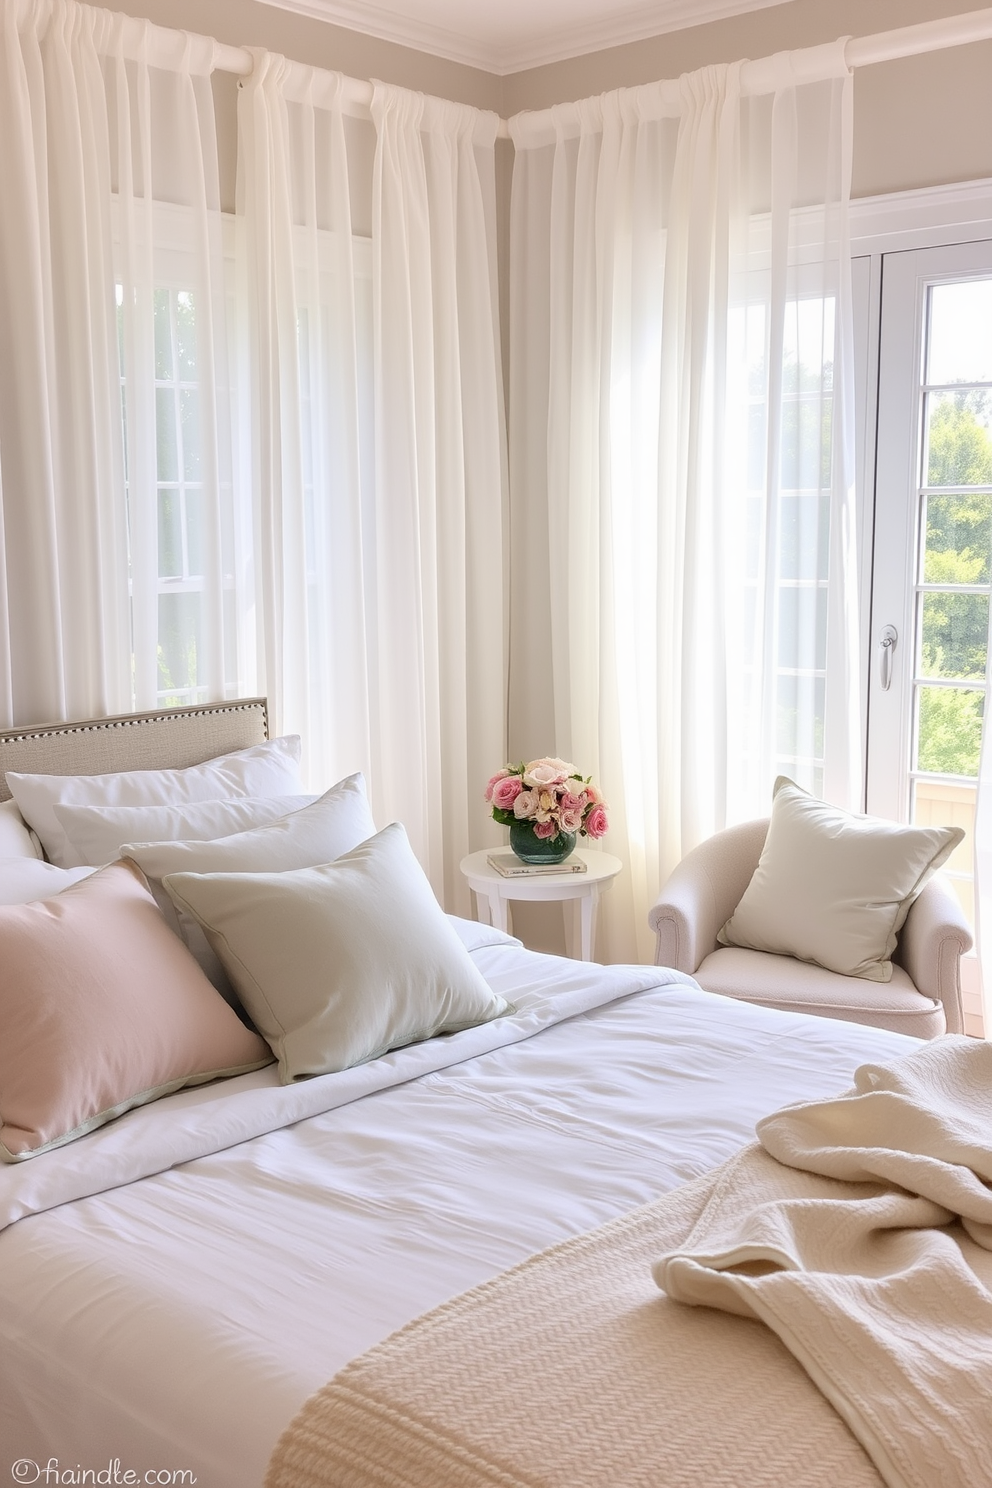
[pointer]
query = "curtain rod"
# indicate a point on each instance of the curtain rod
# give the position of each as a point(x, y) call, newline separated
point(861, 51)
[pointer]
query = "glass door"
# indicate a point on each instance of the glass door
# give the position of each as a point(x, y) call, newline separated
point(932, 565)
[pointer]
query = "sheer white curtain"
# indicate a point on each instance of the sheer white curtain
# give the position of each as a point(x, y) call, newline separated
point(191, 582)
point(440, 476)
point(308, 298)
point(117, 579)
point(683, 588)
point(379, 445)
point(64, 639)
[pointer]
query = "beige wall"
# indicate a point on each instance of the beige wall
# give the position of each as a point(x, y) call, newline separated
point(921, 121)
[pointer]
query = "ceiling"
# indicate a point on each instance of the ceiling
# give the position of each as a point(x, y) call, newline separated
point(503, 36)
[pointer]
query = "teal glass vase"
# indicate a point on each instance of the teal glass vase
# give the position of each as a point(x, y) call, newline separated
point(531, 849)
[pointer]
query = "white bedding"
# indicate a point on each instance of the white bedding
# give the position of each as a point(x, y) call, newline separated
point(179, 1321)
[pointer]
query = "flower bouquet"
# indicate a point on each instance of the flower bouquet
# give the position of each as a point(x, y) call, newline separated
point(546, 805)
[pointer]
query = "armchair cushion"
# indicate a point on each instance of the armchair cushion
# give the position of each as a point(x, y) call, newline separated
point(781, 982)
point(832, 888)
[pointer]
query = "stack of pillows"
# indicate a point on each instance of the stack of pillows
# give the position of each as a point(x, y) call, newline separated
point(237, 921)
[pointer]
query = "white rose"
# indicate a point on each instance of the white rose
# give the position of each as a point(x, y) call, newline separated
point(525, 805)
point(547, 772)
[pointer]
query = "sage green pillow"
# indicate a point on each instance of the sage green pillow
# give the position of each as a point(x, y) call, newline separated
point(833, 888)
point(341, 962)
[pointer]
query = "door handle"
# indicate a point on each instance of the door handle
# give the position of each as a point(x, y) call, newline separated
point(887, 644)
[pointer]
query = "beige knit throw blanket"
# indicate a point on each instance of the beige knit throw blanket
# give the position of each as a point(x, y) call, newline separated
point(574, 1371)
point(861, 1235)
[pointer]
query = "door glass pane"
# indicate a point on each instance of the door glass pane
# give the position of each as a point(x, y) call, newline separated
point(799, 733)
point(805, 535)
point(954, 566)
point(955, 635)
point(957, 544)
point(178, 647)
point(185, 304)
point(163, 335)
point(949, 732)
point(189, 402)
point(166, 434)
point(959, 438)
point(960, 340)
point(195, 559)
point(170, 534)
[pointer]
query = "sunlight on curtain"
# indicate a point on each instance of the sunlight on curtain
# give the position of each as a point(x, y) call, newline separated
point(174, 276)
point(378, 446)
point(440, 648)
point(308, 297)
point(64, 635)
point(118, 533)
point(681, 472)
point(283, 468)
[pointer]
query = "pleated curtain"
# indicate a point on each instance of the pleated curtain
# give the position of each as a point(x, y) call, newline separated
point(441, 477)
point(683, 575)
point(110, 226)
point(64, 635)
point(378, 447)
point(261, 452)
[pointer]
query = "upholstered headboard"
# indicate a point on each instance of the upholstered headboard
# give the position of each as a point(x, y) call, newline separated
point(170, 738)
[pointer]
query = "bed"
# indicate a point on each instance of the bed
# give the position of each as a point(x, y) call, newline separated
point(178, 1282)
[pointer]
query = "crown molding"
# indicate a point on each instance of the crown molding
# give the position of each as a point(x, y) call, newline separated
point(508, 53)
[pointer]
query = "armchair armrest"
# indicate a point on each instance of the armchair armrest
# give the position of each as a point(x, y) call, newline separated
point(702, 893)
point(931, 944)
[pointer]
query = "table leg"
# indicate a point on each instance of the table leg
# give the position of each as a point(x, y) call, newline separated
point(589, 904)
point(497, 910)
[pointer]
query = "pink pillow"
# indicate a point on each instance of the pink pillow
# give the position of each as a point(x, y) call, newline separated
point(102, 1008)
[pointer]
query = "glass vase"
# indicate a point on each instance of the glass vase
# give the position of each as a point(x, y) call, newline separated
point(531, 849)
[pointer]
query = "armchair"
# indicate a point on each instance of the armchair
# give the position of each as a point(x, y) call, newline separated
point(923, 998)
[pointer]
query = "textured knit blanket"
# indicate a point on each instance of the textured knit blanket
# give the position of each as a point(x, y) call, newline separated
point(860, 1232)
point(574, 1371)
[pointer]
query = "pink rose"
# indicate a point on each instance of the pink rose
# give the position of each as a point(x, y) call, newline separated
point(500, 775)
point(545, 829)
point(506, 791)
point(596, 823)
point(547, 772)
point(571, 818)
point(525, 805)
point(572, 802)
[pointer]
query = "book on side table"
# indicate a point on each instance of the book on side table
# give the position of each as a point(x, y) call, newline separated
point(508, 865)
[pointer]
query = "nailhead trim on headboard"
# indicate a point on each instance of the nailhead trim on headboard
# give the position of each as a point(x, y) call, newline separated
point(167, 738)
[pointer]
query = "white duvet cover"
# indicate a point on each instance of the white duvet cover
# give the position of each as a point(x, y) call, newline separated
point(178, 1283)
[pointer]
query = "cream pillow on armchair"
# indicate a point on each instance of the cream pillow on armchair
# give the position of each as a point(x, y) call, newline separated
point(833, 888)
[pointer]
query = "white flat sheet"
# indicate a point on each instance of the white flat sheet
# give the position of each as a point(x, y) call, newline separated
point(178, 1322)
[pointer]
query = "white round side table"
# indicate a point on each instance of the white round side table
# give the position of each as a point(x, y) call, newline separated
point(493, 892)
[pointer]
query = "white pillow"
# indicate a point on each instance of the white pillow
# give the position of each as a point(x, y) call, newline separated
point(832, 888)
point(336, 822)
point(95, 833)
point(339, 963)
point(22, 880)
point(268, 769)
point(16, 840)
